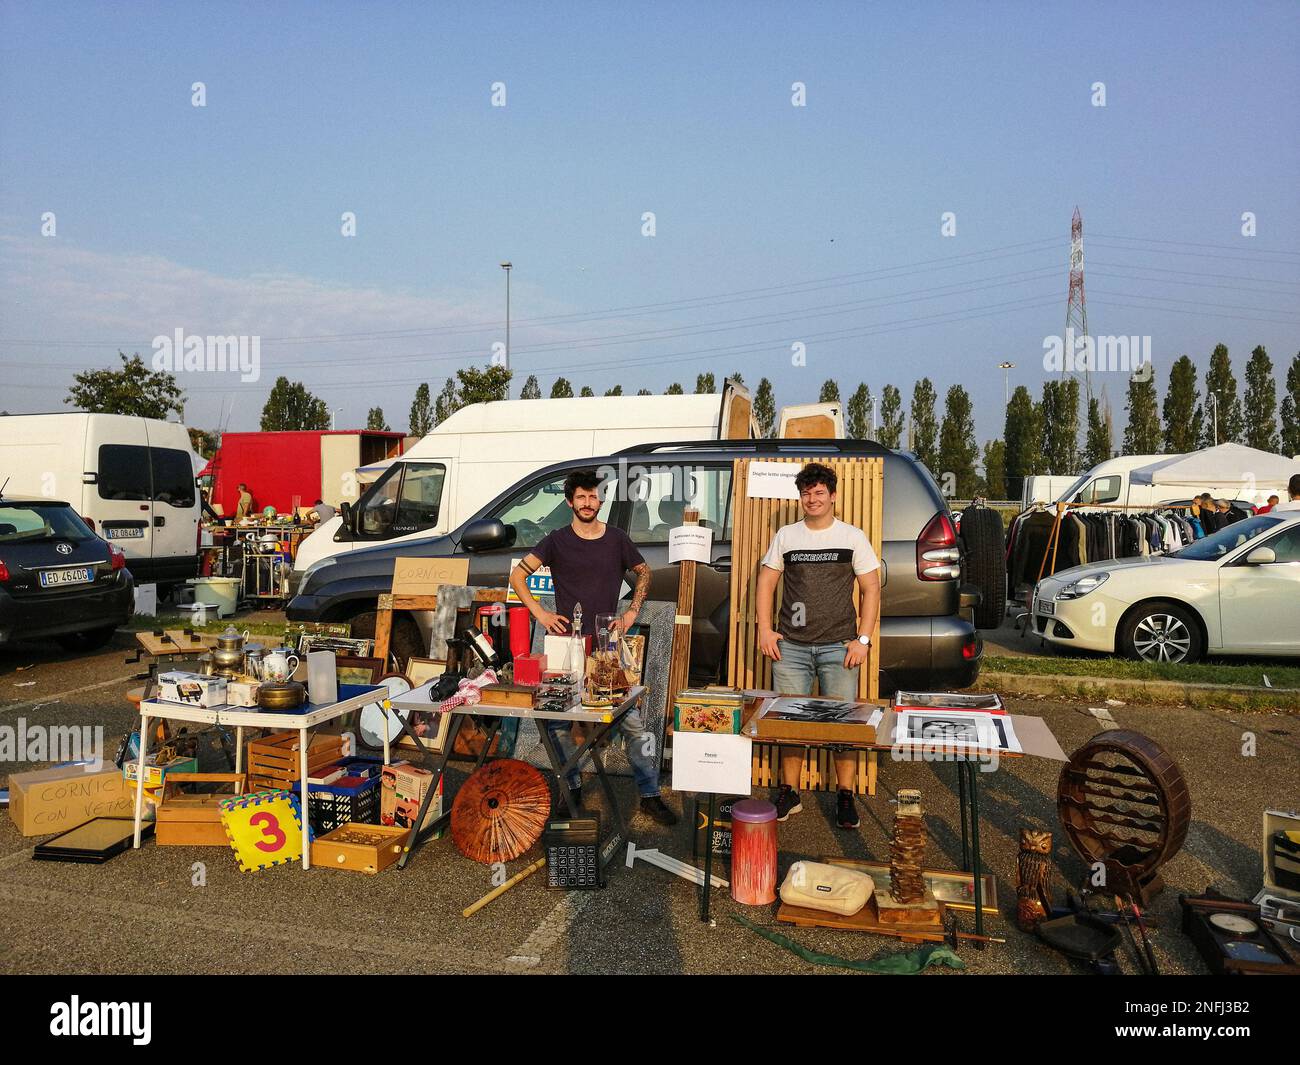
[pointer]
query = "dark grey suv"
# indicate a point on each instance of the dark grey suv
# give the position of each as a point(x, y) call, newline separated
point(927, 639)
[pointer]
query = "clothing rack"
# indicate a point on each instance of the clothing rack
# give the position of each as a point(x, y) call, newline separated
point(1063, 508)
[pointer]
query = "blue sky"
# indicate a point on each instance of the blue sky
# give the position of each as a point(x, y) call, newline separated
point(226, 218)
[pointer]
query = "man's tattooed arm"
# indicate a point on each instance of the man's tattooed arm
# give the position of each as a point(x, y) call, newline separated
point(642, 571)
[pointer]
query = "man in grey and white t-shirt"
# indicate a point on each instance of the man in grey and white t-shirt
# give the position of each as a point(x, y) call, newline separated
point(819, 633)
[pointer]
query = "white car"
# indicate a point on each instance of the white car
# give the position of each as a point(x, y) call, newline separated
point(1234, 592)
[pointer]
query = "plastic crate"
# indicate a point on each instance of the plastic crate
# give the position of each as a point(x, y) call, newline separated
point(332, 806)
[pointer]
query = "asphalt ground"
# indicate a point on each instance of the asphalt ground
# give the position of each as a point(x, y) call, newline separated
point(142, 913)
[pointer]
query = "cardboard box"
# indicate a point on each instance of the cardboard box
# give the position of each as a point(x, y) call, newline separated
point(155, 775)
point(192, 689)
point(243, 692)
point(402, 789)
point(45, 801)
point(721, 828)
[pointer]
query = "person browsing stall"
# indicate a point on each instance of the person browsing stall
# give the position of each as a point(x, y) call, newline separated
point(819, 633)
point(1293, 493)
point(588, 560)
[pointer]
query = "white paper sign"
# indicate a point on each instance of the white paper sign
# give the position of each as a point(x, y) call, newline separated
point(772, 480)
point(690, 543)
point(711, 763)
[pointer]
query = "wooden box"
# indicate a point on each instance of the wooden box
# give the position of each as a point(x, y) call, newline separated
point(361, 848)
point(273, 760)
point(778, 720)
point(189, 820)
point(520, 695)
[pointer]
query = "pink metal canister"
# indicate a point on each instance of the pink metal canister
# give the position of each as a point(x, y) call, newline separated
point(753, 852)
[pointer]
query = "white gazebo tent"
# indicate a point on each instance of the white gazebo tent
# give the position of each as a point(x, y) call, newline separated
point(1228, 466)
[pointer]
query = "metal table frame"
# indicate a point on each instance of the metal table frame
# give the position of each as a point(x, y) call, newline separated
point(605, 722)
point(246, 717)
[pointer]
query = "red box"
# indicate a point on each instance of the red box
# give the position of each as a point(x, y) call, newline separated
point(529, 669)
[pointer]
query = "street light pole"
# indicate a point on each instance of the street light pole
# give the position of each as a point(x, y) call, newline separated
point(507, 266)
point(1006, 367)
point(1215, 397)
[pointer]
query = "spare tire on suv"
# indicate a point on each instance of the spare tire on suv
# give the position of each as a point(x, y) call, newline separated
point(986, 562)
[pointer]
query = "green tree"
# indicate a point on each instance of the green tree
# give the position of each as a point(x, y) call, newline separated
point(765, 408)
point(1142, 434)
point(1261, 402)
point(482, 385)
point(134, 389)
point(1060, 423)
point(586, 392)
point(830, 392)
point(1220, 383)
point(1182, 409)
point(644, 392)
point(617, 390)
point(531, 389)
point(1098, 446)
point(891, 417)
point(925, 425)
point(1023, 436)
point(375, 419)
point(1291, 410)
point(447, 403)
point(290, 406)
point(958, 448)
point(562, 389)
point(421, 418)
point(674, 390)
point(204, 441)
point(995, 469)
point(736, 377)
point(858, 412)
point(704, 384)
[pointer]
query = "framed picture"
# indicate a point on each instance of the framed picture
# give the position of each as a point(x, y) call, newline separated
point(352, 669)
point(340, 645)
point(952, 887)
point(422, 670)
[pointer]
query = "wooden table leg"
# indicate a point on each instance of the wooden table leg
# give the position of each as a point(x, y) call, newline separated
point(239, 748)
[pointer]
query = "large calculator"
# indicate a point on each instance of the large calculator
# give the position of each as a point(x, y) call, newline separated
point(572, 847)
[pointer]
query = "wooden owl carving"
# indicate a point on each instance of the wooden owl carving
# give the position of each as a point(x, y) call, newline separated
point(1033, 878)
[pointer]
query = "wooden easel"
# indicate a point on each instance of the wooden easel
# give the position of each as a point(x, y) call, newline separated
point(859, 498)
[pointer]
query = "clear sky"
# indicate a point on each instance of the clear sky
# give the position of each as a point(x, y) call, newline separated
point(774, 224)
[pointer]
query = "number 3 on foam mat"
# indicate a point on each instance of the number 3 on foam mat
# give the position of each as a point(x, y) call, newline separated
point(264, 829)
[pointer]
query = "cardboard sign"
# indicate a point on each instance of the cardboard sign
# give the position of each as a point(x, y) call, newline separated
point(424, 576)
point(44, 801)
point(772, 480)
point(690, 543)
point(710, 762)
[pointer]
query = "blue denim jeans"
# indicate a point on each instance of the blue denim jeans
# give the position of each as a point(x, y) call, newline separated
point(801, 662)
point(642, 751)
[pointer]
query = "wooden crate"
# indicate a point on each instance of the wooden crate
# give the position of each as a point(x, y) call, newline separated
point(273, 760)
point(360, 848)
point(189, 820)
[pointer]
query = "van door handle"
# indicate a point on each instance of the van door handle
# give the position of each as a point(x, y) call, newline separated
point(159, 522)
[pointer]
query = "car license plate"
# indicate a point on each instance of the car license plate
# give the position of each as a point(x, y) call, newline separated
point(124, 532)
point(1045, 607)
point(52, 578)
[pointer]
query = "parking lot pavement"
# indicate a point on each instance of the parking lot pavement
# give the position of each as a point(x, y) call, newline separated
point(142, 911)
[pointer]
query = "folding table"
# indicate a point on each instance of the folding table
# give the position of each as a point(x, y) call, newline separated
point(305, 721)
point(603, 722)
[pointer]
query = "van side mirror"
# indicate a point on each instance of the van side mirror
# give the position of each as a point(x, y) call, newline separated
point(1261, 556)
point(487, 533)
point(345, 513)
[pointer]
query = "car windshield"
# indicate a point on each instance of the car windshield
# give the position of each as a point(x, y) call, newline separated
point(29, 522)
point(1215, 546)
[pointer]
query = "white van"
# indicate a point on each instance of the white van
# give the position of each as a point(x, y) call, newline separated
point(1111, 482)
point(482, 449)
point(132, 479)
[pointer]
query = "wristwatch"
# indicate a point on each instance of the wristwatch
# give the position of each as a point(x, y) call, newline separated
point(865, 641)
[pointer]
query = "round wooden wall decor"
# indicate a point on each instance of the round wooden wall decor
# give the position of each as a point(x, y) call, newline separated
point(1123, 801)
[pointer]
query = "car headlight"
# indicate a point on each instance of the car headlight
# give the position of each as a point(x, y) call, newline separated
point(1078, 589)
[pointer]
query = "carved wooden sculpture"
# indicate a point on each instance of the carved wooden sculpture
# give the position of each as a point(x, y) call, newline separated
point(907, 850)
point(1033, 878)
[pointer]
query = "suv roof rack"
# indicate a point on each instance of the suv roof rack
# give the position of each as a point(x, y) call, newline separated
point(764, 447)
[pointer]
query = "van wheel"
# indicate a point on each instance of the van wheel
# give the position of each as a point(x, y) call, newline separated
point(405, 642)
point(986, 563)
point(91, 640)
point(1161, 632)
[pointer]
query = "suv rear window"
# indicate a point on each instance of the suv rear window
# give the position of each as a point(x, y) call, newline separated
point(26, 523)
